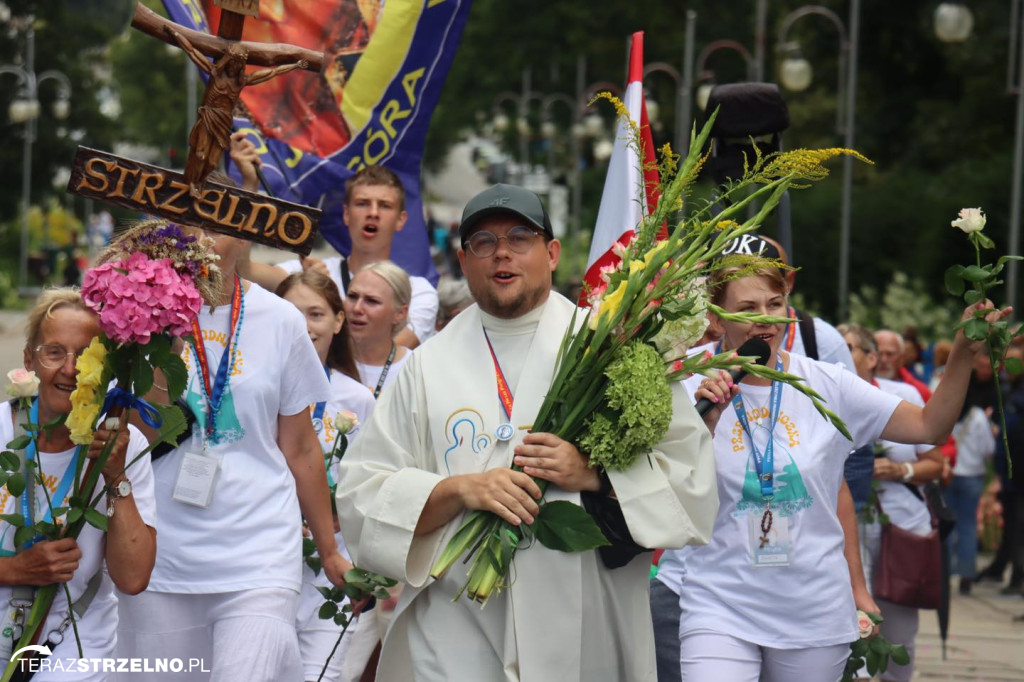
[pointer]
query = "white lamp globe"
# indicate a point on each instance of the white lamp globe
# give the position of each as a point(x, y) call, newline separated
point(953, 22)
point(796, 74)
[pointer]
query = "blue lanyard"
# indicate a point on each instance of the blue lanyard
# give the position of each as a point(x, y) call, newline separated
point(765, 463)
point(62, 489)
point(318, 411)
point(215, 392)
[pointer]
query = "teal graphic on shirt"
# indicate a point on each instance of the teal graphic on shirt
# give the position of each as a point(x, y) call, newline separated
point(227, 427)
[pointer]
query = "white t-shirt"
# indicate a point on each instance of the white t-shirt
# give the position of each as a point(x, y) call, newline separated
point(809, 602)
point(974, 443)
point(422, 307)
point(902, 507)
point(370, 374)
point(98, 625)
point(250, 535)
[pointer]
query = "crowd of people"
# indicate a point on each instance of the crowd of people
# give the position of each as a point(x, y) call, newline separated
point(771, 521)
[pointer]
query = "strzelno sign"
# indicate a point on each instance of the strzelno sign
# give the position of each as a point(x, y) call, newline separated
point(165, 194)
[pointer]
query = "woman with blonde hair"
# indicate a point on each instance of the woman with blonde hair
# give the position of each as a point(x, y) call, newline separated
point(377, 307)
point(59, 329)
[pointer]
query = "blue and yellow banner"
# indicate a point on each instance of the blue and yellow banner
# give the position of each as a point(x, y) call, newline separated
point(386, 64)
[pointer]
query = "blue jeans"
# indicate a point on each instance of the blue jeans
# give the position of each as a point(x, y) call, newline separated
point(963, 495)
point(665, 613)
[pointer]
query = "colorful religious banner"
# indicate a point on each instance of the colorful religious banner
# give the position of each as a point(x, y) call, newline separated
point(386, 63)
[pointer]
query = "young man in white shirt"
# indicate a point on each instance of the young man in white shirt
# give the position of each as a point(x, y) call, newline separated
point(374, 211)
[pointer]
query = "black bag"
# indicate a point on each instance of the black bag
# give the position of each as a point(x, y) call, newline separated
point(607, 513)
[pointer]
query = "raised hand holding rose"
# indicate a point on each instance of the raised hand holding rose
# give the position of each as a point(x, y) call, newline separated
point(981, 323)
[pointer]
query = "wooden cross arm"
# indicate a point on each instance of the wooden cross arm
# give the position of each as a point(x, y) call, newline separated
point(260, 54)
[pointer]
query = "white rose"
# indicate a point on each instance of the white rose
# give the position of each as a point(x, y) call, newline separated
point(24, 384)
point(346, 421)
point(865, 626)
point(970, 220)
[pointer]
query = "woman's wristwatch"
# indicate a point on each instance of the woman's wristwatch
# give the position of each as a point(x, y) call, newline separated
point(123, 488)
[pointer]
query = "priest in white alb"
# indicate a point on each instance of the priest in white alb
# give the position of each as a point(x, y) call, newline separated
point(440, 443)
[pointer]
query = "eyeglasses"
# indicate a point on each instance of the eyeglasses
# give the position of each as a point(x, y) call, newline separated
point(519, 239)
point(53, 356)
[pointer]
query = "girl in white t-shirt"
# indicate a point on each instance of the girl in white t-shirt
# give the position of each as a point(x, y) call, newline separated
point(59, 329)
point(317, 297)
point(771, 597)
point(225, 588)
point(377, 305)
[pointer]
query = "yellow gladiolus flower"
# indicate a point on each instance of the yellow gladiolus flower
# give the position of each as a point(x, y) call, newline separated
point(610, 303)
point(636, 266)
point(80, 423)
point(90, 364)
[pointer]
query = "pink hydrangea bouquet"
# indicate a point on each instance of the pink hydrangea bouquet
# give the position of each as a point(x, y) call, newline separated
point(141, 297)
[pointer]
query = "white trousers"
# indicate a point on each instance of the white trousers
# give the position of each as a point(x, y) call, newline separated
point(707, 655)
point(244, 636)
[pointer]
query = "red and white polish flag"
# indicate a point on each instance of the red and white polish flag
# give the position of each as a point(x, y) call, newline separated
point(631, 186)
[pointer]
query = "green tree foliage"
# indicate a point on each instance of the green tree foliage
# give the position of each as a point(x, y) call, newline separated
point(935, 118)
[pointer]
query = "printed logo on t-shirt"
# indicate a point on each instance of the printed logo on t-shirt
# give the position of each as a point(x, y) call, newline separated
point(227, 429)
point(790, 493)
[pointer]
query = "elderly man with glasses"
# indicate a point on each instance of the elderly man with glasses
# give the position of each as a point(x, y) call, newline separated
point(441, 442)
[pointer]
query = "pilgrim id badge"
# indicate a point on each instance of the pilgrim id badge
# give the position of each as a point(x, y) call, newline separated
point(771, 548)
point(197, 474)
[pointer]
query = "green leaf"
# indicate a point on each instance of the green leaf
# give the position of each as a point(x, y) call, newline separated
point(873, 662)
point(96, 519)
point(77, 501)
point(158, 349)
point(16, 483)
point(23, 535)
point(879, 645)
point(20, 443)
point(176, 375)
point(74, 514)
point(142, 374)
point(567, 527)
point(972, 297)
point(341, 619)
point(9, 461)
point(353, 591)
point(327, 610)
point(985, 242)
point(314, 564)
point(1014, 365)
point(325, 592)
point(860, 647)
point(899, 655)
point(16, 520)
point(976, 330)
point(173, 424)
point(973, 273)
point(954, 283)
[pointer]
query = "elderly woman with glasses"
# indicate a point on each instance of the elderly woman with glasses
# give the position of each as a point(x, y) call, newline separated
point(59, 329)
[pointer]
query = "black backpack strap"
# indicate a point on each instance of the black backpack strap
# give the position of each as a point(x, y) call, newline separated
point(807, 334)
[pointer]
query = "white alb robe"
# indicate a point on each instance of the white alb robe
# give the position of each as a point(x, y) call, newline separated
point(565, 617)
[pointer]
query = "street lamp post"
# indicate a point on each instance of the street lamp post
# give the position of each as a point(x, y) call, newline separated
point(706, 76)
point(846, 109)
point(25, 110)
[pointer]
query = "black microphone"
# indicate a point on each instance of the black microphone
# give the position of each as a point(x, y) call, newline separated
point(753, 347)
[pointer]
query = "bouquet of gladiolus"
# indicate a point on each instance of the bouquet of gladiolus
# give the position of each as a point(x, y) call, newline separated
point(610, 395)
point(872, 652)
point(148, 288)
point(973, 283)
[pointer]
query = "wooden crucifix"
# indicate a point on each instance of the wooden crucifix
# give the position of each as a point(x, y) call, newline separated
point(189, 199)
point(211, 134)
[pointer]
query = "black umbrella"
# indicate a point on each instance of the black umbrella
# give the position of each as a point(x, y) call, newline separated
point(943, 512)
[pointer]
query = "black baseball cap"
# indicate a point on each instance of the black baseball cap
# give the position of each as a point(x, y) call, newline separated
point(505, 199)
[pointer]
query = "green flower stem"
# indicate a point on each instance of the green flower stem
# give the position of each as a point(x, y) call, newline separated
point(333, 650)
point(994, 361)
point(74, 621)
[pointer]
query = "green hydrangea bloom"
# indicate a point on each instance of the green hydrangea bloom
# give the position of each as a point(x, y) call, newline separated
point(637, 411)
